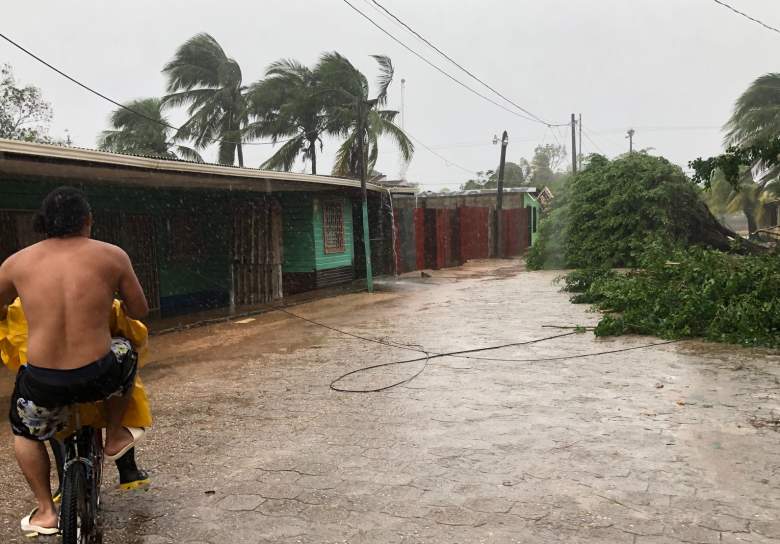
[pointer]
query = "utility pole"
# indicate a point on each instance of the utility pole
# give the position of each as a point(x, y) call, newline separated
point(573, 144)
point(630, 137)
point(499, 237)
point(579, 162)
point(364, 191)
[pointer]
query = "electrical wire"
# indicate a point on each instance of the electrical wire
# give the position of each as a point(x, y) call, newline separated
point(593, 143)
point(438, 69)
point(442, 157)
point(119, 104)
point(453, 61)
point(429, 356)
point(746, 16)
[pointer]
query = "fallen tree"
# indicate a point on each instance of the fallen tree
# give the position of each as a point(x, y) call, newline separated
point(607, 214)
point(693, 292)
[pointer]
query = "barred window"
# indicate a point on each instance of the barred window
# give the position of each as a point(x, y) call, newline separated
point(333, 226)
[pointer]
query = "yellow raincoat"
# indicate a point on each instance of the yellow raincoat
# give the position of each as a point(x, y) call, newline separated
point(13, 351)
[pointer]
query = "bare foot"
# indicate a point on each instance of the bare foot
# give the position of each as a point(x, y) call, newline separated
point(114, 444)
point(46, 519)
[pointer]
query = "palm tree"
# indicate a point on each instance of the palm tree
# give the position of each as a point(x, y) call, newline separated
point(202, 77)
point(756, 117)
point(142, 129)
point(755, 122)
point(288, 104)
point(358, 118)
point(748, 197)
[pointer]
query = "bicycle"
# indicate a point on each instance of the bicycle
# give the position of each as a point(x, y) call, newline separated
point(82, 473)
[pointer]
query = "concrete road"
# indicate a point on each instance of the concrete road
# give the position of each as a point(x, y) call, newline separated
point(674, 443)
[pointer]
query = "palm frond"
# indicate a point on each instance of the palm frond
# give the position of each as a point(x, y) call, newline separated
point(196, 63)
point(756, 116)
point(385, 77)
point(185, 98)
point(341, 77)
point(284, 158)
point(344, 164)
point(385, 127)
point(187, 153)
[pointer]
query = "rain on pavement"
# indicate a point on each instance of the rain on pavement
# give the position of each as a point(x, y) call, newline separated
point(673, 443)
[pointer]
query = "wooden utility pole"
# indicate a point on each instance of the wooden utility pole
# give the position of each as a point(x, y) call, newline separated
point(573, 144)
point(500, 198)
point(579, 156)
point(630, 137)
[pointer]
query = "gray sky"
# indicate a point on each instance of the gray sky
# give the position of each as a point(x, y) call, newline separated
point(669, 68)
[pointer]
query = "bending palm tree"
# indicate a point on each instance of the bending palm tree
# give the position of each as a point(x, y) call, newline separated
point(358, 118)
point(756, 117)
point(755, 121)
point(351, 113)
point(145, 134)
point(202, 77)
point(288, 104)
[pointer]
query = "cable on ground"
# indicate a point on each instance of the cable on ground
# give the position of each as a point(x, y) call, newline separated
point(429, 355)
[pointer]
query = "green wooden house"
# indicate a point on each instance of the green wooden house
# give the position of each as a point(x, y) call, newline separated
point(318, 235)
point(200, 236)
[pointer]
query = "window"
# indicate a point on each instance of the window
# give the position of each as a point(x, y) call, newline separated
point(333, 226)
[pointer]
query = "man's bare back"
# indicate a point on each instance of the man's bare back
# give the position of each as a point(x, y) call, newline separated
point(67, 287)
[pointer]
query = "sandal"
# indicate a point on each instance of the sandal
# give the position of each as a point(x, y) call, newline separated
point(137, 434)
point(28, 527)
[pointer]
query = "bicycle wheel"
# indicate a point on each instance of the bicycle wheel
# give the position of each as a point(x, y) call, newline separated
point(75, 511)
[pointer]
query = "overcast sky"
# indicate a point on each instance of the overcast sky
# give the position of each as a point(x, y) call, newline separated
point(671, 69)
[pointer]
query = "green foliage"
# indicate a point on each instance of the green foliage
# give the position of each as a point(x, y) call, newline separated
point(515, 175)
point(543, 170)
point(289, 104)
point(145, 134)
point(756, 116)
point(24, 114)
point(608, 213)
point(733, 162)
point(690, 292)
point(353, 115)
point(204, 79)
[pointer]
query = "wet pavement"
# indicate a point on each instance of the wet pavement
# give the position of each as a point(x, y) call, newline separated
point(674, 443)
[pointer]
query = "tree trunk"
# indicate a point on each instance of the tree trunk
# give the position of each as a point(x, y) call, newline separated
point(313, 149)
point(240, 151)
point(749, 209)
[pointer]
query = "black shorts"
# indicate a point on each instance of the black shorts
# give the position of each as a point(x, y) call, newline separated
point(42, 397)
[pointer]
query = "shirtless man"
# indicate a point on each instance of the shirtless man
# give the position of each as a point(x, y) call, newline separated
point(66, 284)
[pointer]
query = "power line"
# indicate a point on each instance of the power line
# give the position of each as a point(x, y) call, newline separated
point(594, 144)
point(440, 70)
point(661, 129)
point(112, 101)
point(453, 61)
point(746, 16)
point(442, 157)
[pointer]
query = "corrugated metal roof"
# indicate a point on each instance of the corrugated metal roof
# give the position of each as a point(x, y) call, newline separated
point(180, 166)
point(478, 192)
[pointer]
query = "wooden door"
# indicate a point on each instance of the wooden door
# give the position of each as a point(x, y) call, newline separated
point(257, 253)
point(135, 233)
